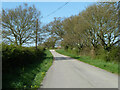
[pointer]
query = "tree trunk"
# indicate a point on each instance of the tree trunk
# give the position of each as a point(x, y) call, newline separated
point(93, 52)
point(16, 40)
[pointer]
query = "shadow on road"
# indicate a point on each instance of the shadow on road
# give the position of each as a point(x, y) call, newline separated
point(63, 58)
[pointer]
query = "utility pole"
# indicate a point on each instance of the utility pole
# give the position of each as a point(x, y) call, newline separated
point(119, 15)
point(36, 32)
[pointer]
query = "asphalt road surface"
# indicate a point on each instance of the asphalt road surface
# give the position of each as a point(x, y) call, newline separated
point(71, 73)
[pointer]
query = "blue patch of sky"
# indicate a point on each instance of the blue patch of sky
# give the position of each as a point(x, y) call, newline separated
point(72, 8)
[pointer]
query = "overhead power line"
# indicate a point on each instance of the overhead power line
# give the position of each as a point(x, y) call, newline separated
point(56, 9)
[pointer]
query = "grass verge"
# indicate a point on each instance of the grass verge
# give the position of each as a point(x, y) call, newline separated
point(109, 66)
point(43, 69)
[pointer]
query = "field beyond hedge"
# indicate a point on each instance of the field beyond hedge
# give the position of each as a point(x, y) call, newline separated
point(24, 67)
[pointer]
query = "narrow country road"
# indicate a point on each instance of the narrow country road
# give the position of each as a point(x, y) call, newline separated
point(70, 73)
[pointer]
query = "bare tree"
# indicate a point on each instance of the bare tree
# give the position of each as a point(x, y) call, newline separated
point(103, 23)
point(19, 24)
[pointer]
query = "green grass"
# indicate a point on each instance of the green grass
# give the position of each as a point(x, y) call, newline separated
point(43, 69)
point(30, 76)
point(109, 66)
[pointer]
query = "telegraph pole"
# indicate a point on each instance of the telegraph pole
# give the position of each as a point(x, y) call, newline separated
point(36, 32)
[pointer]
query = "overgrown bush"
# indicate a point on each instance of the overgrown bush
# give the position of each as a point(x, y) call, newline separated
point(71, 50)
point(85, 52)
point(13, 56)
point(19, 65)
point(114, 54)
point(101, 54)
point(111, 55)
